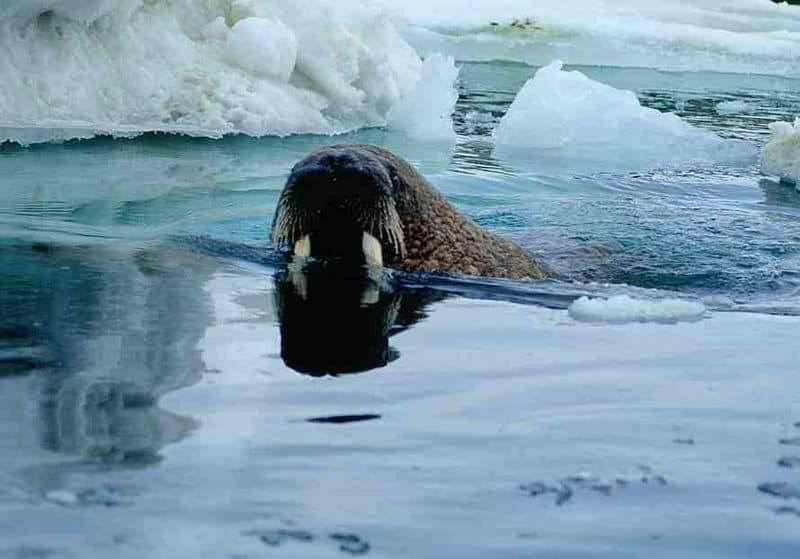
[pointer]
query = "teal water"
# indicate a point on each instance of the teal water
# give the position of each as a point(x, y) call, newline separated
point(149, 405)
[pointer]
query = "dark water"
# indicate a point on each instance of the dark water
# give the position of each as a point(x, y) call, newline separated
point(170, 390)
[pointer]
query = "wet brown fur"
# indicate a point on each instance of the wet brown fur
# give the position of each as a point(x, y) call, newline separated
point(437, 236)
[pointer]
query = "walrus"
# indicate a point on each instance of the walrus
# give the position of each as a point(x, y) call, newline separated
point(364, 204)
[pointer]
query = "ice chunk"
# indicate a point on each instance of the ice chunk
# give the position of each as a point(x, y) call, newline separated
point(567, 112)
point(75, 68)
point(426, 112)
point(263, 47)
point(732, 107)
point(621, 309)
point(781, 156)
point(62, 497)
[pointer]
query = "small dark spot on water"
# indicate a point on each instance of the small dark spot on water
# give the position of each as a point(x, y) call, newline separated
point(105, 497)
point(276, 538)
point(791, 441)
point(603, 488)
point(789, 462)
point(565, 488)
point(780, 489)
point(351, 543)
point(43, 248)
point(687, 441)
point(10, 366)
point(344, 418)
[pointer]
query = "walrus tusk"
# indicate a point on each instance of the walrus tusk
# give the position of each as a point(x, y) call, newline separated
point(302, 247)
point(373, 253)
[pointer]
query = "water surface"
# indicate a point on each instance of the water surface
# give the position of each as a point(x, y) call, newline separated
point(165, 392)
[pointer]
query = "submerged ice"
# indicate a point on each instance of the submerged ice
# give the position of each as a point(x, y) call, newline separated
point(781, 156)
point(121, 67)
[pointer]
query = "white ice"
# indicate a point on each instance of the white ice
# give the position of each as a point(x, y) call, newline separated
point(426, 112)
point(781, 156)
point(259, 67)
point(748, 36)
point(621, 309)
point(561, 110)
point(732, 107)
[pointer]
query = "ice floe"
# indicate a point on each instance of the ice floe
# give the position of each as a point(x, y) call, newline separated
point(781, 156)
point(747, 36)
point(732, 107)
point(258, 67)
point(567, 112)
point(621, 309)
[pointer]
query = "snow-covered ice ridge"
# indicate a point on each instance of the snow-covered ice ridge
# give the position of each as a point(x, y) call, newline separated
point(781, 156)
point(749, 36)
point(76, 68)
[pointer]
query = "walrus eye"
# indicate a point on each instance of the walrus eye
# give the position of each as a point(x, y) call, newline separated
point(373, 253)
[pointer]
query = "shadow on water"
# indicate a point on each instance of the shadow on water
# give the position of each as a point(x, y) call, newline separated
point(95, 338)
point(781, 194)
point(336, 321)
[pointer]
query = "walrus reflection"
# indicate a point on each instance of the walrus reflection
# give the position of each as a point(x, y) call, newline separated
point(335, 321)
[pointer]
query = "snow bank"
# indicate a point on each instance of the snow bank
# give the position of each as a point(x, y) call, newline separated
point(748, 36)
point(426, 112)
point(75, 68)
point(559, 110)
point(621, 309)
point(781, 156)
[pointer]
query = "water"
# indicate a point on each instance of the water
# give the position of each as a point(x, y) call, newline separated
point(150, 345)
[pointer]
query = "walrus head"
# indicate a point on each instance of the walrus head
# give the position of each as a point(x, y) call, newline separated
point(364, 204)
point(338, 204)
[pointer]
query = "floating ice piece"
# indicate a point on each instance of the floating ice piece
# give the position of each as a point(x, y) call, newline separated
point(781, 156)
point(621, 309)
point(569, 113)
point(732, 107)
point(77, 68)
point(62, 497)
point(426, 112)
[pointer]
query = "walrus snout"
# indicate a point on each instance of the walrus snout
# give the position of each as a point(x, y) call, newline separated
point(338, 206)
